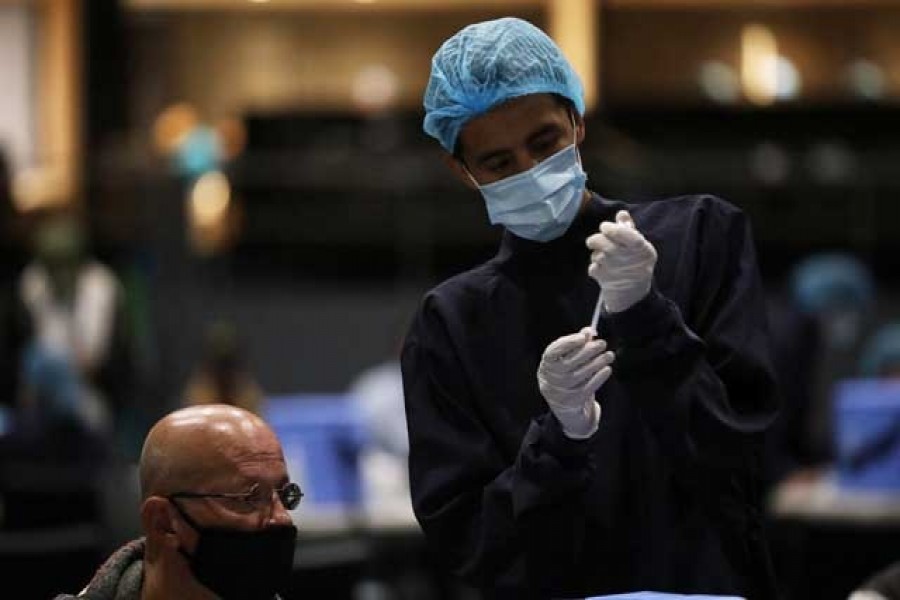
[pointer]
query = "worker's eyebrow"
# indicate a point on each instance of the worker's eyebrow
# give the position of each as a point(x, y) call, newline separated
point(491, 154)
point(541, 131)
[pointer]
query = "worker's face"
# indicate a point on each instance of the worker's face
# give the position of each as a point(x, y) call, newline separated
point(514, 137)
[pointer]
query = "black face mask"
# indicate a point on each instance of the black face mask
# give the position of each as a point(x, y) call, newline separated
point(242, 565)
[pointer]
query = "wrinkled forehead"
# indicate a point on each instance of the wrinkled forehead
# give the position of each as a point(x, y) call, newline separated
point(243, 453)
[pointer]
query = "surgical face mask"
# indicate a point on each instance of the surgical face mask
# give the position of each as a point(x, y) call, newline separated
point(538, 204)
point(242, 565)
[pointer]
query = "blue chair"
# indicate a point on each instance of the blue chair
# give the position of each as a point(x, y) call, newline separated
point(322, 437)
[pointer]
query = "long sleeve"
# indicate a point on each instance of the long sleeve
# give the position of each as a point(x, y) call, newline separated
point(665, 495)
point(498, 521)
point(706, 388)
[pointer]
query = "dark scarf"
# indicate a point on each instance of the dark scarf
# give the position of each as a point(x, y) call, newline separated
point(119, 578)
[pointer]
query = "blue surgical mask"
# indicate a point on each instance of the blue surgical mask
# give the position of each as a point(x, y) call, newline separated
point(538, 204)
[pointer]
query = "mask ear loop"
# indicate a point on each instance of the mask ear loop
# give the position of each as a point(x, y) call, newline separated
point(190, 521)
point(575, 137)
point(471, 177)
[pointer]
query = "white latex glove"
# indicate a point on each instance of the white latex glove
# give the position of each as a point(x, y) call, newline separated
point(866, 595)
point(622, 262)
point(572, 369)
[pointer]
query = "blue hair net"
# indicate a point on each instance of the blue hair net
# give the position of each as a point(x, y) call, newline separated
point(881, 352)
point(832, 281)
point(488, 63)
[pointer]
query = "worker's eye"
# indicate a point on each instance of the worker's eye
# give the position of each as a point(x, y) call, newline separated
point(545, 145)
point(497, 165)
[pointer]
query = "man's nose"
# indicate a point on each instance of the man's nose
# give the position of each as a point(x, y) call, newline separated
point(525, 160)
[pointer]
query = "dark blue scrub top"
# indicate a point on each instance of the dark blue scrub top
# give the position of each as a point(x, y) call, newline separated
point(666, 495)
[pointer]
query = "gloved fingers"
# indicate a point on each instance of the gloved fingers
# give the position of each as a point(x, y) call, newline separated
point(590, 350)
point(560, 374)
point(550, 388)
point(565, 345)
point(625, 258)
point(619, 256)
point(621, 234)
point(598, 380)
point(556, 384)
point(624, 217)
point(600, 242)
point(620, 259)
point(557, 397)
point(614, 239)
point(583, 374)
point(611, 273)
point(573, 382)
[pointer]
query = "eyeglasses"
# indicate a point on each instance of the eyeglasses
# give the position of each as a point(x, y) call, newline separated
point(257, 497)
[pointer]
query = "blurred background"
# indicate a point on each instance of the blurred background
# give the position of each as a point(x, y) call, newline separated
point(233, 200)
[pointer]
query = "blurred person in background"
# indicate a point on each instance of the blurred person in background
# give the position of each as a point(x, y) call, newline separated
point(214, 512)
point(222, 375)
point(74, 355)
point(520, 480)
point(881, 359)
point(12, 247)
point(817, 329)
point(880, 356)
point(377, 394)
point(10, 266)
point(396, 570)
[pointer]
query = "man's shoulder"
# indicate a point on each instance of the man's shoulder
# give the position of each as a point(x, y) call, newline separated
point(687, 206)
point(465, 286)
point(695, 216)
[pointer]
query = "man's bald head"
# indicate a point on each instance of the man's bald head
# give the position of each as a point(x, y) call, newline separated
point(192, 446)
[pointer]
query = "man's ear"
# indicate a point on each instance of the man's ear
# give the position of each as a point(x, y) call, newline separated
point(157, 522)
point(459, 169)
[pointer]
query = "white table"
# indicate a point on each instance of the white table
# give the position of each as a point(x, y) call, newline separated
point(820, 499)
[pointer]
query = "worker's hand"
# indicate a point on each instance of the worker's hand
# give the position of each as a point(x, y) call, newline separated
point(622, 262)
point(572, 369)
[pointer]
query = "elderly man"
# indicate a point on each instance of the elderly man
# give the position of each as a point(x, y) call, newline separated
point(215, 515)
point(518, 478)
